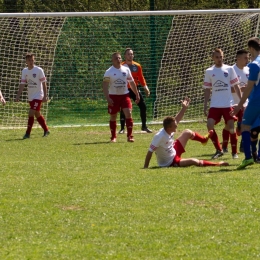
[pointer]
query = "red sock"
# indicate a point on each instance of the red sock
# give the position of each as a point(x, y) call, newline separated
point(225, 136)
point(199, 138)
point(112, 125)
point(30, 124)
point(42, 123)
point(129, 126)
point(233, 141)
point(208, 163)
point(215, 141)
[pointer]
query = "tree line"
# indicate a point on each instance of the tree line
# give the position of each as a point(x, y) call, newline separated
point(16, 6)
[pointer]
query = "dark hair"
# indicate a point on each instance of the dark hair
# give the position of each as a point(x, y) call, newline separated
point(218, 50)
point(254, 42)
point(29, 55)
point(128, 49)
point(167, 121)
point(242, 51)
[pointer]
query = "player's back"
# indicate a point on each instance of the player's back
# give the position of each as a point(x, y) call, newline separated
point(255, 71)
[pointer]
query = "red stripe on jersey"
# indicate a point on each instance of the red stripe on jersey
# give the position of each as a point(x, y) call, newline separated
point(23, 80)
point(234, 81)
point(42, 79)
point(153, 147)
point(207, 84)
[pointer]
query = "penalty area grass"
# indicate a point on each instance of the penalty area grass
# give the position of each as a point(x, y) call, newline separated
point(73, 195)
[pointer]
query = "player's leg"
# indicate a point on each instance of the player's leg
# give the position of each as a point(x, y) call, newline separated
point(197, 162)
point(189, 134)
point(214, 117)
point(233, 138)
point(41, 119)
point(254, 139)
point(225, 138)
point(113, 110)
point(126, 106)
point(30, 120)
point(112, 125)
point(122, 122)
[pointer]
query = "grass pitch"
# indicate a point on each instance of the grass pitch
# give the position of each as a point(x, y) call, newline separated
point(73, 195)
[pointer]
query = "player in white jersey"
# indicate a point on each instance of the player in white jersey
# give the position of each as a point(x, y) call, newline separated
point(242, 71)
point(2, 100)
point(168, 151)
point(116, 92)
point(34, 77)
point(219, 79)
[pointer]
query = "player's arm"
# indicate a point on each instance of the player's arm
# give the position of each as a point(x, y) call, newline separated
point(185, 105)
point(2, 98)
point(238, 91)
point(105, 86)
point(207, 92)
point(20, 90)
point(147, 159)
point(45, 94)
point(143, 81)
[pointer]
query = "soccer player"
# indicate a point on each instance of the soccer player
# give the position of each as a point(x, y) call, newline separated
point(219, 79)
point(138, 76)
point(34, 77)
point(168, 151)
point(116, 92)
point(2, 100)
point(242, 71)
point(252, 92)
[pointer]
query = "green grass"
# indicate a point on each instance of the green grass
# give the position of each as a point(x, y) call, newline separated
point(73, 195)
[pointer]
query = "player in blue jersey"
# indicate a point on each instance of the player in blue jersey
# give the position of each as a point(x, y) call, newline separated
point(252, 92)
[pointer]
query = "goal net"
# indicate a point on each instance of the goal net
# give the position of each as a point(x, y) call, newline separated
point(74, 49)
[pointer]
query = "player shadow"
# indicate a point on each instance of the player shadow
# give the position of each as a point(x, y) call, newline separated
point(16, 139)
point(88, 143)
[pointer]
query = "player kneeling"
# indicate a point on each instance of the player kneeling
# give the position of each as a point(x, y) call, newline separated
point(168, 151)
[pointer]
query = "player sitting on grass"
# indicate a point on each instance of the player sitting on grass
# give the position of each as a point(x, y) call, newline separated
point(168, 151)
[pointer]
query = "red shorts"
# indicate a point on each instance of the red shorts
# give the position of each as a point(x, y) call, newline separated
point(35, 104)
point(120, 102)
point(217, 112)
point(179, 151)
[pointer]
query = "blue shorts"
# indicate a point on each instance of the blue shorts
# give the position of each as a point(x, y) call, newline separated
point(251, 114)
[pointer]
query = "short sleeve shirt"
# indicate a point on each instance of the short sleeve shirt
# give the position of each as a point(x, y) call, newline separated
point(118, 80)
point(34, 78)
point(220, 80)
point(162, 145)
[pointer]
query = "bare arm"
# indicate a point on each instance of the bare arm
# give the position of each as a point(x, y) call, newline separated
point(135, 90)
point(246, 93)
point(106, 93)
point(44, 86)
point(206, 100)
point(185, 104)
point(147, 159)
point(2, 98)
point(238, 91)
point(20, 90)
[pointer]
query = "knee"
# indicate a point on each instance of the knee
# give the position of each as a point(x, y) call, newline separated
point(254, 135)
point(188, 133)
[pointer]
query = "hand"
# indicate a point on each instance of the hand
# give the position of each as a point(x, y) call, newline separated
point(206, 111)
point(45, 99)
point(110, 101)
point(147, 91)
point(234, 111)
point(137, 99)
point(3, 101)
point(185, 102)
point(16, 99)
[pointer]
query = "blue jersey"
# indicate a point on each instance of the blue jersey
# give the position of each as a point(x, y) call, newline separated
point(254, 75)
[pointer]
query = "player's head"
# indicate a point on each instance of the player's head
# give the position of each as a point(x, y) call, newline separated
point(242, 58)
point(217, 57)
point(253, 45)
point(129, 54)
point(116, 59)
point(30, 59)
point(169, 124)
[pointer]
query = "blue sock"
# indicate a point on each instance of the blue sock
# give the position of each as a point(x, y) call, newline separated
point(253, 146)
point(247, 144)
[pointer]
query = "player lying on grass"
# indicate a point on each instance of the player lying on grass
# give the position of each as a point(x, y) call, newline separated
point(168, 151)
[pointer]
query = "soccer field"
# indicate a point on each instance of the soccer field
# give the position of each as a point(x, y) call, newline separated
point(73, 195)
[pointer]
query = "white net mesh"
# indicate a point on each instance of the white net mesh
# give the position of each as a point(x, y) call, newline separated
point(187, 55)
point(19, 36)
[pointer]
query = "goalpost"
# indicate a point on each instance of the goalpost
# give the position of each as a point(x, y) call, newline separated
point(74, 49)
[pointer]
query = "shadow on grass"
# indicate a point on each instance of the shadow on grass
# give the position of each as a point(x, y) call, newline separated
point(16, 139)
point(107, 142)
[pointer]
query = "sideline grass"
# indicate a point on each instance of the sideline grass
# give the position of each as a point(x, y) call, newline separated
point(73, 195)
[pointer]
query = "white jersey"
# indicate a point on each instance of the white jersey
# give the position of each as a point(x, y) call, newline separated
point(118, 80)
point(162, 145)
point(220, 80)
point(243, 78)
point(34, 79)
